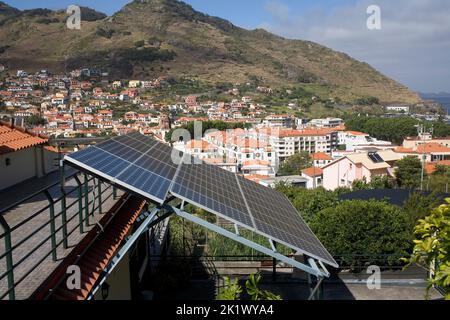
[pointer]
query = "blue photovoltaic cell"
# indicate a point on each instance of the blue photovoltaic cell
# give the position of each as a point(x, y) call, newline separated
point(275, 216)
point(134, 161)
point(213, 188)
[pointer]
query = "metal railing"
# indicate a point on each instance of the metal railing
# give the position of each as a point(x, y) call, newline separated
point(86, 207)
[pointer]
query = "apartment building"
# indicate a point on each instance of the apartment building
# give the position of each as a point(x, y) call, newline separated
point(286, 143)
point(326, 123)
point(353, 140)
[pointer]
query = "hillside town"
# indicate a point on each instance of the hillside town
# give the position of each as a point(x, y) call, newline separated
point(85, 103)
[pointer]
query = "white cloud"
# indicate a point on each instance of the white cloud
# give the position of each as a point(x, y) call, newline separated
point(413, 45)
point(279, 11)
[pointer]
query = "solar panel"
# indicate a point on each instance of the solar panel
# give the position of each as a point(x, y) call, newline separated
point(146, 167)
point(375, 157)
point(275, 216)
point(213, 189)
point(137, 163)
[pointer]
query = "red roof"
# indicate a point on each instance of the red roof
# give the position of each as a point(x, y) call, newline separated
point(321, 156)
point(14, 140)
point(98, 256)
point(430, 167)
point(313, 172)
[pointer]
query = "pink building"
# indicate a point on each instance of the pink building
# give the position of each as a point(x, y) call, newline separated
point(358, 166)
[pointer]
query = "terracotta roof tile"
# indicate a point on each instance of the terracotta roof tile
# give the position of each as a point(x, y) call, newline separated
point(313, 172)
point(13, 140)
point(321, 156)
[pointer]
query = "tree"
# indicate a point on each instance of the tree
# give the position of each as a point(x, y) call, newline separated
point(377, 182)
point(370, 228)
point(35, 120)
point(419, 206)
point(408, 173)
point(310, 202)
point(295, 164)
point(394, 130)
point(432, 247)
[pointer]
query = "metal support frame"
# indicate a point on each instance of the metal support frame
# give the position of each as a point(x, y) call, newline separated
point(52, 224)
point(63, 207)
point(9, 258)
point(150, 221)
point(86, 199)
point(99, 197)
point(80, 203)
point(308, 269)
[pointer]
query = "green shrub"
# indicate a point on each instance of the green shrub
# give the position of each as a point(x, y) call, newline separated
point(367, 228)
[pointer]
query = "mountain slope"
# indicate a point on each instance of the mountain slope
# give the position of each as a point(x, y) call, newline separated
point(168, 37)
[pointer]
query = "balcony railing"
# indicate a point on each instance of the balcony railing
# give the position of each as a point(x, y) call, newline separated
point(32, 247)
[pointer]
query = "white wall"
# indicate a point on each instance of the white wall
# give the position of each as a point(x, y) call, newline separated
point(22, 167)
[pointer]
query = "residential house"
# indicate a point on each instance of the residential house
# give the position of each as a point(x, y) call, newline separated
point(359, 166)
point(313, 176)
point(23, 156)
point(321, 159)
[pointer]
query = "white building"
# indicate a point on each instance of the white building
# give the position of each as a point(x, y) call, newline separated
point(279, 121)
point(354, 140)
point(404, 109)
point(326, 123)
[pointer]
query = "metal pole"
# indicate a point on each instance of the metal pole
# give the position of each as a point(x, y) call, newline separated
point(9, 258)
point(99, 186)
point(80, 203)
point(86, 200)
point(63, 206)
point(52, 224)
point(114, 192)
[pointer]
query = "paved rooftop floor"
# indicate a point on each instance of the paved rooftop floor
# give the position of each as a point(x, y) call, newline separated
point(28, 272)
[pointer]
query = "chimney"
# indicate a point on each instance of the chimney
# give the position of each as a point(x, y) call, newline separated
point(12, 122)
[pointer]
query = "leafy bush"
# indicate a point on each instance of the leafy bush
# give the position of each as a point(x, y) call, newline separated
point(139, 43)
point(147, 54)
point(310, 202)
point(409, 172)
point(378, 182)
point(432, 247)
point(232, 290)
point(369, 101)
point(295, 164)
point(368, 228)
point(105, 33)
point(220, 246)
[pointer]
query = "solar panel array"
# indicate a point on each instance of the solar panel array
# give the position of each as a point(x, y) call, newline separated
point(145, 166)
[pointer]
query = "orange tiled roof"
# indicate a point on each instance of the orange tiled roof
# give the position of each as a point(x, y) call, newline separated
point(357, 133)
point(14, 140)
point(321, 156)
point(403, 150)
point(313, 172)
point(250, 163)
point(430, 167)
point(102, 251)
point(432, 148)
point(198, 144)
point(256, 177)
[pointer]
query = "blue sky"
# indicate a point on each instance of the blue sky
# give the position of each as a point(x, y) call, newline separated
point(245, 13)
point(412, 47)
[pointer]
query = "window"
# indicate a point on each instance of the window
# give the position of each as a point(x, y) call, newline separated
point(7, 162)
